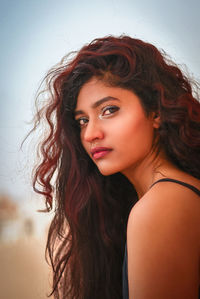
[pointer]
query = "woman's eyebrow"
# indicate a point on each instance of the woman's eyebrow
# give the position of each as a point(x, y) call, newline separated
point(96, 104)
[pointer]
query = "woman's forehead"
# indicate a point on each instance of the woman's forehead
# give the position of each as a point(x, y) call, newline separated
point(95, 92)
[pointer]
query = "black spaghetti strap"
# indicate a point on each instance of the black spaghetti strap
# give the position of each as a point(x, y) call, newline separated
point(197, 191)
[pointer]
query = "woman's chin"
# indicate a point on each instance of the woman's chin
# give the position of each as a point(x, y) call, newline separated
point(107, 171)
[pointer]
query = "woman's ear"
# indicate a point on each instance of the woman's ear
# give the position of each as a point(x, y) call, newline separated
point(156, 120)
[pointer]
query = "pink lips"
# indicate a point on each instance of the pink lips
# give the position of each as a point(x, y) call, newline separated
point(99, 152)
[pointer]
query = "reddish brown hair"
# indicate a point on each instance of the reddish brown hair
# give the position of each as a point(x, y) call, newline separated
point(87, 235)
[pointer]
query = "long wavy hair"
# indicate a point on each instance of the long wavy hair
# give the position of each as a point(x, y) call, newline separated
point(88, 233)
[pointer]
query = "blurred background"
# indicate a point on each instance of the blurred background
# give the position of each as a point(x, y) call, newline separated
point(35, 35)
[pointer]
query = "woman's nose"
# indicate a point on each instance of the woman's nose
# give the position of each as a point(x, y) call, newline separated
point(92, 132)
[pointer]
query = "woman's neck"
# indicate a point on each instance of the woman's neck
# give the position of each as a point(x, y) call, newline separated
point(150, 170)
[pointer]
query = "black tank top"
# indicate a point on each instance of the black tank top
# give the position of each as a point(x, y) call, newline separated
point(125, 272)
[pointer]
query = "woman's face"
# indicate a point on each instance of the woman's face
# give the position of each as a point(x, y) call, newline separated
point(115, 131)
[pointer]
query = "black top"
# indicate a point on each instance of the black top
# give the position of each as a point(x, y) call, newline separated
point(125, 272)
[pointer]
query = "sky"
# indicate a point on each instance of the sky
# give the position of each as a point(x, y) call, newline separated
point(36, 34)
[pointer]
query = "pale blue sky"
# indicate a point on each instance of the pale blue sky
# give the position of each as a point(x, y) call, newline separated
point(35, 34)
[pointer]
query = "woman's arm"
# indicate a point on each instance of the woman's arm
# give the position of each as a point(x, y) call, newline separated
point(163, 245)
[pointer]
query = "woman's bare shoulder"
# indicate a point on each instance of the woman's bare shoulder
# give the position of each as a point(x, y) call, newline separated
point(163, 242)
point(167, 196)
point(170, 203)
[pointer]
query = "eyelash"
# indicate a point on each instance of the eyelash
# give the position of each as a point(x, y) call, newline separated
point(112, 109)
point(115, 108)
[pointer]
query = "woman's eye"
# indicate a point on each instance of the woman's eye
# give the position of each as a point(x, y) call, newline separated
point(109, 110)
point(82, 121)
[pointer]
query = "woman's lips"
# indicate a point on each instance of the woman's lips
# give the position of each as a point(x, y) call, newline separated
point(100, 152)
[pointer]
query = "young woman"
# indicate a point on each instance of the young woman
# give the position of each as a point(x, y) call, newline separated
point(121, 168)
